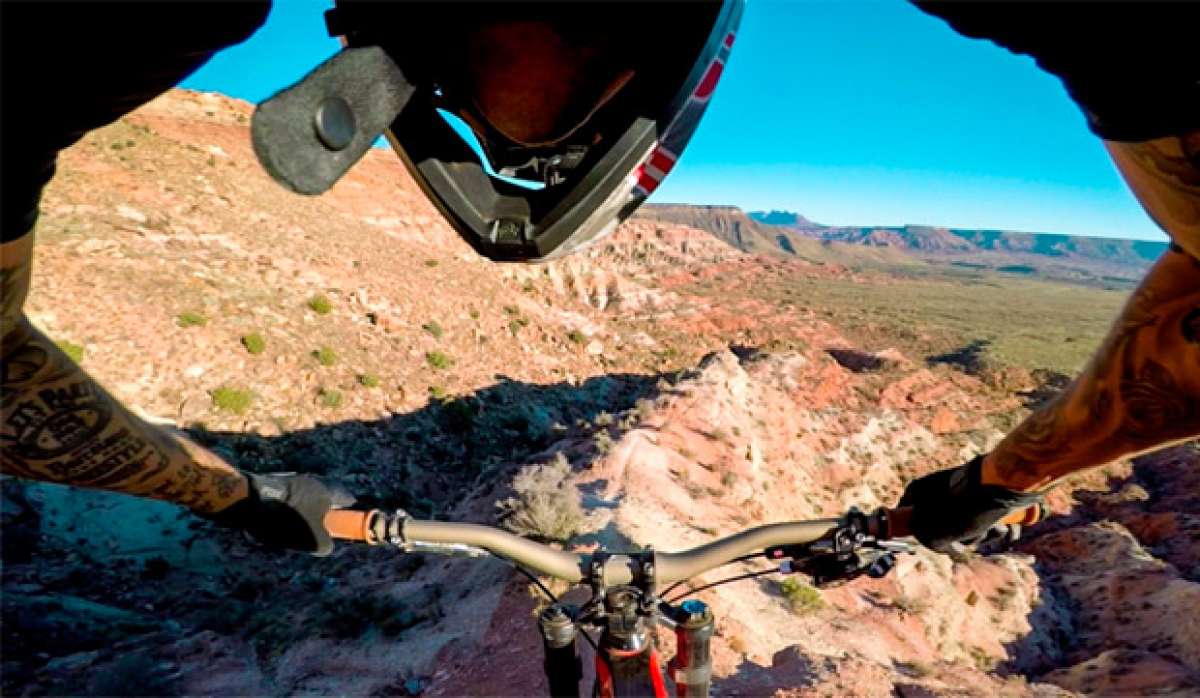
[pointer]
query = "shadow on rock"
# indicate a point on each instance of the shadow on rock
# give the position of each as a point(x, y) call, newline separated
point(97, 583)
point(969, 358)
point(429, 459)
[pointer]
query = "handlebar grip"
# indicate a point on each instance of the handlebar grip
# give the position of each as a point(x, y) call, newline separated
point(347, 524)
point(900, 519)
point(1027, 516)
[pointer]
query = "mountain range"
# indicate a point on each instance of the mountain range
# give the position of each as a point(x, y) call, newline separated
point(1108, 261)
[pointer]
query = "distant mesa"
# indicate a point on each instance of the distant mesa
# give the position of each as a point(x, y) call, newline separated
point(785, 233)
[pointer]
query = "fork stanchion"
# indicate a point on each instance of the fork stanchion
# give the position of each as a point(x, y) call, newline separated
point(691, 668)
point(560, 635)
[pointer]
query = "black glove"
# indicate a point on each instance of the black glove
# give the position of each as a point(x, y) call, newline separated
point(953, 506)
point(285, 510)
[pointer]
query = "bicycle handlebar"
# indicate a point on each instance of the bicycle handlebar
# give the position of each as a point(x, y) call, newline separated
point(617, 569)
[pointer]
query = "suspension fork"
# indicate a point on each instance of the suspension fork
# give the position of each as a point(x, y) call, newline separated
point(691, 668)
point(560, 635)
point(627, 663)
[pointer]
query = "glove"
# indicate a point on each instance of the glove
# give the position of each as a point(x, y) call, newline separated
point(285, 510)
point(954, 506)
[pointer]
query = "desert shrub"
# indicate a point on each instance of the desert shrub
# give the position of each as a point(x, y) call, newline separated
point(576, 337)
point(254, 343)
point(320, 304)
point(438, 360)
point(328, 397)
point(233, 400)
point(433, 328)
point(349, 616)
point(602, 440)
point(73, 351)
point(431, 263)
point(546, 504)
point(728, 479)
point(191, 318)
point(368, 380)
point(982, 660)
point(325, 356)
point(438, 392)
point(802, 598)
point(474, 314)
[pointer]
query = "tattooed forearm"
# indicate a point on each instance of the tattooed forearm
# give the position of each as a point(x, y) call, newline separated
point(58, 425)
point(1141, 391)
point(1165, 175)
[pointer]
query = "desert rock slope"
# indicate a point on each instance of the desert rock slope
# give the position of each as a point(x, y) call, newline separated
point(355, 337)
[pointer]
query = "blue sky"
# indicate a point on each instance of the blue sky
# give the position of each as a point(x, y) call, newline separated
point(862, 112)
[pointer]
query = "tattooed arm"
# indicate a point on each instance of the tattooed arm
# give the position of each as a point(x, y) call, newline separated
point(1142, 389)
point(59, 425)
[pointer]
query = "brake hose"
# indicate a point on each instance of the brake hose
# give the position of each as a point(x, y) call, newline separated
point(738, 578)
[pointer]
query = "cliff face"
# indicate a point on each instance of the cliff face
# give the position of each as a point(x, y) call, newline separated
point(680, 415)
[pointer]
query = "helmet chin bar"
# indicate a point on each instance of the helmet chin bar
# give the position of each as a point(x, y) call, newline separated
point(503, 221)
point(310, 134)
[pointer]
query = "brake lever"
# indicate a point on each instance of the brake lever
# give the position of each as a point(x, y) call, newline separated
point(849, 551)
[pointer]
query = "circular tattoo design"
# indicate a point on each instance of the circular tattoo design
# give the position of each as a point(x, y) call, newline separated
point(23, 364)
point(1190, 325)
point(62, 432)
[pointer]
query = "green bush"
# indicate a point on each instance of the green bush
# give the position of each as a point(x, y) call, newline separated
point(438, 360)
point(433, 328)
point(369, 380)
point(603, 441)
point(254, 343)
point(431, 263)
point(576, 337)
point(73, 351)
point(437, 392)
point(320, 305)
point(802, 598)
point(328, 397)
point(191, 319)
point(516, 324)
point(546, 503)
point(325, 356)
point(233, 400)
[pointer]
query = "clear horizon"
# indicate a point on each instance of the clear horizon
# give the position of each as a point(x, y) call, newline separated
point(860, 113)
